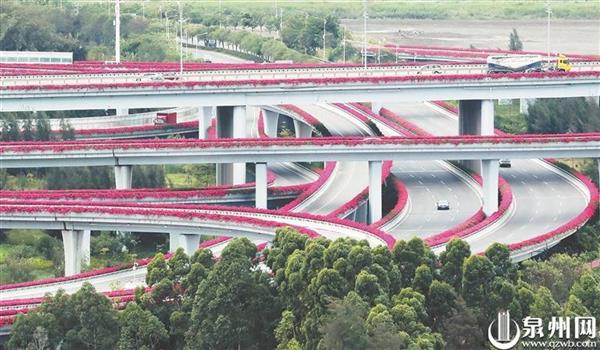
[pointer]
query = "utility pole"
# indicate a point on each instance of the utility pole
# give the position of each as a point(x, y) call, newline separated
point(344, 42)
point(281, 24)
point(365, 16)
point(220, 15)
point(117, 32)
point(549, 12)
point(324, 33)
point(180, 38)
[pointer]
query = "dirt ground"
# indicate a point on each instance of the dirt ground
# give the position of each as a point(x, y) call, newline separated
point(569, 36)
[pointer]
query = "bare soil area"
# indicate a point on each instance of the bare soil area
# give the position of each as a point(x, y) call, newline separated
point(569, 36)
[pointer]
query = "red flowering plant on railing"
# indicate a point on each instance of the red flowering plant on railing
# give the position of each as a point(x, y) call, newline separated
point(401, 200)
point(314, 187)
point(403, 123)
point(176, 144)
point(403, 79)
point(456, 52)
point(133, 129)
point(362, 196)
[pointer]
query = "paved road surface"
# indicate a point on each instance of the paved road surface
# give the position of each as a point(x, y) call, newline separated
point(348, 178)
point(543, 198)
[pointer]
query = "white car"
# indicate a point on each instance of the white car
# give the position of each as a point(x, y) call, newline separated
point(443, 205)
point(505, 163)
point(151, 77)
point(430, 69)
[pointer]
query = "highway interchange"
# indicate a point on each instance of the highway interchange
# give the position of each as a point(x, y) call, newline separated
point(544, 197)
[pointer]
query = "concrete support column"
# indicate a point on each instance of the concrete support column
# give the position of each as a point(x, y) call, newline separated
point(189, 243)
point(76, 244)
point(375, 107)
point(261, 185)
point(205, 115)
point(122, 111)
point(490, 170)
point(375, 198)
point(123, 177)
point(270, 120)
point(475, 117)
point(174, 241)
point(302, 130)
point(231, 123)
point(524, 104)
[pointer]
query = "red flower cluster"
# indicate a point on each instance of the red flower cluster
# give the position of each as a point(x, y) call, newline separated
point(400, 203)
point(362, 196)
point(419, 79)
point(315, 186)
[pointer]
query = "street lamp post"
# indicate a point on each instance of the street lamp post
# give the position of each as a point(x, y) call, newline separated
point(365, 16)
point(344, 42)
point(180, 38)
point(549, 12)
point(117, 32)
point(324, 33)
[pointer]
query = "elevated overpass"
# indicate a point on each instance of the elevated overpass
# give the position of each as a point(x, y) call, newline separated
point(261, 90)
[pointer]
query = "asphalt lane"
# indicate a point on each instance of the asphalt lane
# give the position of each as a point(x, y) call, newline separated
point(543, 196)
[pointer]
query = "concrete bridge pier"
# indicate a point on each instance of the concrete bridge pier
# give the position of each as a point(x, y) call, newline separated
point(76, 244)
point(189, 243)
point(524, 104)
point(122, 111)
point(123, 177)
point(475, 117)
point(205, 114)
point(375, 197)
point(301, 129)
point(231, 123)
point(270, 120)
point(261, 185)
point(174, 241)
point(490, 170)
point(376, 107)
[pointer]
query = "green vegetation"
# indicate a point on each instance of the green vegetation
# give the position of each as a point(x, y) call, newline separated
point(320, 295)
point(515, 43)
point(563, 115)
point(236, 13)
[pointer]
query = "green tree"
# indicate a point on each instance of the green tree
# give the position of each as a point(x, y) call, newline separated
point(544, 305)
point(36, 330)
point(344, 325)
point(478, 274)
point(67, 132)
point(452, 260)
point(441, 303)
point(587, 289)
point(43, 131)
point(234, 306)
point(563, 115)
point(515, 43)
point(140, 329)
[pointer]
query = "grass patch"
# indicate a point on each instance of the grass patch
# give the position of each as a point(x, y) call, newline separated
point(509, 118)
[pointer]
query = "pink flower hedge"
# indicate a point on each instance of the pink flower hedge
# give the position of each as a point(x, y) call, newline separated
point(362, 196)
point(168, 144)
point(475, 52)
point(133, 129)
point(403, 123)
point(401, 201)
point(314, 186)
point(419, 79)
